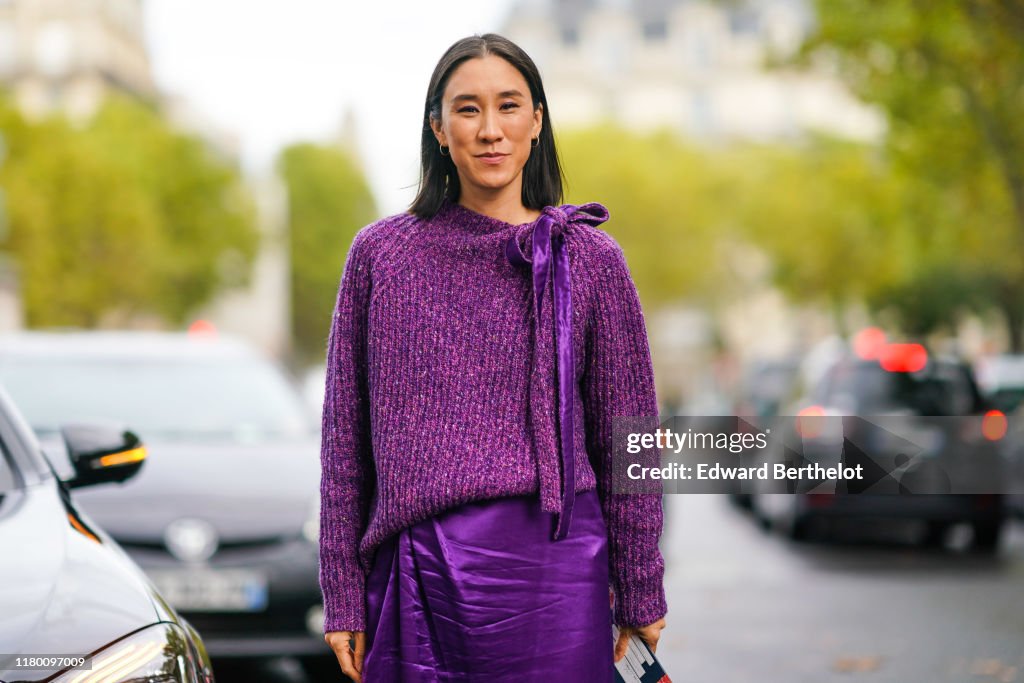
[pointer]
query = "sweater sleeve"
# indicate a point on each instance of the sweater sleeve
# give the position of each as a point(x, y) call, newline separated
point(346, 483)
point(618, 380)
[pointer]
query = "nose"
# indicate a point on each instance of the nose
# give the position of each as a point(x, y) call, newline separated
point(489, 128)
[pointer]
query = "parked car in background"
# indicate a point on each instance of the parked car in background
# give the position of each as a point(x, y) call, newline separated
point(766, 385)
point(1001, 380)
point(224, 518)
point(66, 587)
point(1013, 452)
point(905, 397)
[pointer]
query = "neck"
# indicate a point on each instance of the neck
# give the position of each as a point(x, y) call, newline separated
point(506, 206)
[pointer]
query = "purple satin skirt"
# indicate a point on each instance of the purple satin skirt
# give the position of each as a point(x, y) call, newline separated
point(481, 593)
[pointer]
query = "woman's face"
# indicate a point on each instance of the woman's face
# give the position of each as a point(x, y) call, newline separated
point(487, 109)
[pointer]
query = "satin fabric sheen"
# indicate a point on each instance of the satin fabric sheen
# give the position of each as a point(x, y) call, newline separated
point(549, 259)
point(481, 592)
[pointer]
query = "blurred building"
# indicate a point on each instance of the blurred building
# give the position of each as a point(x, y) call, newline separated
point(67, 54)
point(696, 66)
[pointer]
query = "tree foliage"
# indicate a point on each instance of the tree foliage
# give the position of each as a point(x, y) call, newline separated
point(949, 74)
point(665, 199)
point(823, 213)
point(329, 201)
point(121, 215)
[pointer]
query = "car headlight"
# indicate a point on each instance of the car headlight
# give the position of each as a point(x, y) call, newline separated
point(311, 527)
point(159, 654)
point(204, 667)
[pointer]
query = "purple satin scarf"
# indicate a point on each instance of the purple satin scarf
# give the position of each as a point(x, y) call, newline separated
point(550, 262)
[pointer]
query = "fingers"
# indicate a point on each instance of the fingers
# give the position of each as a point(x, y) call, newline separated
point(651, 634)
point(339, 642)
point(652, 642)
point(348, 666)
point(360, 651)
point(622, 644)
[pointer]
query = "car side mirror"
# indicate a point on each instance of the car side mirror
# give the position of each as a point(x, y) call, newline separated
point(102, 452)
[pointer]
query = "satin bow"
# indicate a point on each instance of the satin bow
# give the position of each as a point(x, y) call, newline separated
point(550, 263)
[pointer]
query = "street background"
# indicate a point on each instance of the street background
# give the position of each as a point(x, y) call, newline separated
point(787, 178)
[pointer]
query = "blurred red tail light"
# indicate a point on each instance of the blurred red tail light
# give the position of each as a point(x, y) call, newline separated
point(993, 425)
point(869, 342)
point(903, 357)
point(806, 425)
point(820, 500)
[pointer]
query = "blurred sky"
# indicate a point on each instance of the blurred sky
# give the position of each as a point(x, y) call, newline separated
point(275, 71)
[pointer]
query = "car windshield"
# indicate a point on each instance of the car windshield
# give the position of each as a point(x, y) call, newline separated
point(938, 392)
point(240, 399)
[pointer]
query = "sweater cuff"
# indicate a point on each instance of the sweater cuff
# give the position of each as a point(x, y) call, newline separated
point(640, 605)
point(345, 612)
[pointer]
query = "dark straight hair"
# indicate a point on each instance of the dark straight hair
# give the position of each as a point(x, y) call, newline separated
point(439, 178)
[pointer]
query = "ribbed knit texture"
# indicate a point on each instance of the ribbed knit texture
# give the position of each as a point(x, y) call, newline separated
point(430, 359)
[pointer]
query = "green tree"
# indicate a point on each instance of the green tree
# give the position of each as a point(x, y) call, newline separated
point(949, 75)
point(827, 212)
point(669, 208)
point(329, 200)
point(823, 212)
point(208, 221)
point(122, 214)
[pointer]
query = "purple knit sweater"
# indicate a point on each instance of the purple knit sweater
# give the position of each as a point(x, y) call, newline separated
point(440, 391)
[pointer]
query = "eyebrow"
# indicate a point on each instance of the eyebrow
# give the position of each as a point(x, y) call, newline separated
point(471, 96)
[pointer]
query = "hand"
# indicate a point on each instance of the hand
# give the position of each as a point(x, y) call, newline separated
point(351, 662)
point(649, 634)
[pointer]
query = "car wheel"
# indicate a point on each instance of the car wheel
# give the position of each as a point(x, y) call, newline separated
point(741, 501)
point(799, 528)
point(794, 524)
point(935, 534)
point(760, 516)
point(986, 536)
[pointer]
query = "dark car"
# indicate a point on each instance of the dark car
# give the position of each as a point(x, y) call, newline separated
point(765, 386)
point(67, 591)
point(225, 517)
point(1013, 452)
point(921, 421)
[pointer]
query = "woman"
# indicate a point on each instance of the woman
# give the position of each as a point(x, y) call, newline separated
point(481, 344)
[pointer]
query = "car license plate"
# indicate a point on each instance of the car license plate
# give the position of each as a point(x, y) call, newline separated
point(212, 590)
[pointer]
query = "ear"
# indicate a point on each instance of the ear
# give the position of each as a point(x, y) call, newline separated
point(435, 126)
point(538, 120)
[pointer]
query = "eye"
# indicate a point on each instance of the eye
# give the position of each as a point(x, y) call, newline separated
point(470, 108)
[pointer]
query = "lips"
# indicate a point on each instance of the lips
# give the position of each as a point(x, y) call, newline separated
point(492, 160)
